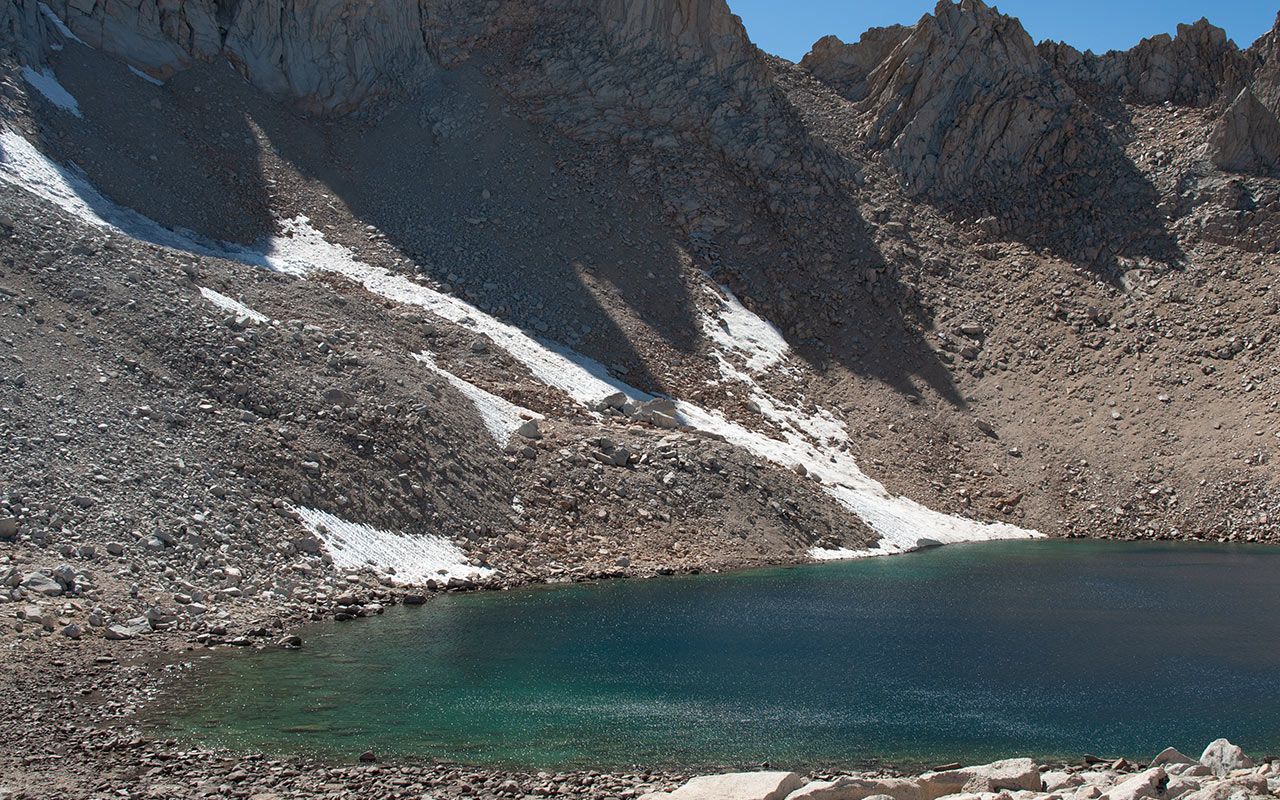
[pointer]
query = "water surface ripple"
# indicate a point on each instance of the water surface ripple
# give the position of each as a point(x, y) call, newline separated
point(968, 652)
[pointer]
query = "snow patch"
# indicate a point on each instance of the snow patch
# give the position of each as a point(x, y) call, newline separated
point(145, 76)
point(60, 25)
point(901, 523)
point(809, 439)
point(234, 306)
point(302, 249)
point(47, 84)
point(739, 330)
point(411, 558)
point(501, 417)
point(22, 165)
point(837, 553)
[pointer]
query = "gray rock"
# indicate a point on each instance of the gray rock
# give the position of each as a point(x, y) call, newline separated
point(338, 397)
point(529, 429)
point(307, 544)
point(119, 633)
point(616, 400)
point(39, 583)
point(8, 528)
point(65, 574)
point(72, 631)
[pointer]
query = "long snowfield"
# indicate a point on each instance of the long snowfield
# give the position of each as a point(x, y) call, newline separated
point(743, 344)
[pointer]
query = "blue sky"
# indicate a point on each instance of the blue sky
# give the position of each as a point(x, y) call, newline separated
point(789, 27)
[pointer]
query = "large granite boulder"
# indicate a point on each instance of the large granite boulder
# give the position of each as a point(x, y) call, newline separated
point(1247, 137)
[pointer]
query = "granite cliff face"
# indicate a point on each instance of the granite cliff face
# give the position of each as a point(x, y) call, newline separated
point(1247, 137)
point(337, 56)
point(331, 56)
point(966, 104)
point(847, 66)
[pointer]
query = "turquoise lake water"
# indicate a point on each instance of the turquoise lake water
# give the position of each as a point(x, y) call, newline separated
point(963, 653)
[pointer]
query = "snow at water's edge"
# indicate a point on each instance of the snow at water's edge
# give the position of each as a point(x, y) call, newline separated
point(410, 558)
point(47, 84)
point(301, 250)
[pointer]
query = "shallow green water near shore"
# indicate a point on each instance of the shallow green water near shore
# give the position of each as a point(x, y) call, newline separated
point(965, 653)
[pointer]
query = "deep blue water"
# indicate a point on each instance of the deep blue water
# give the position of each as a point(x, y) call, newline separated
point(967, 652)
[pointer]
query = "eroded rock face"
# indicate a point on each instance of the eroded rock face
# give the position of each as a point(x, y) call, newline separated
point(689, 29)
point(1247, 137)
point(1195, 68)
point(22, 30)
point(966, 103)
point(333, 55)
point(847, 66)
point(337, 55)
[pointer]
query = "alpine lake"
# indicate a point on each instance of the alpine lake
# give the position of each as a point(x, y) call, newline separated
point(1048, 649)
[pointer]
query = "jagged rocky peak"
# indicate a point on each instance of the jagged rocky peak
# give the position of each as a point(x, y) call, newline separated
point(967, 105)
point(1266, 80)
point(1194, 68)
point(690, 29)
point(1247, 137)
point(846, 66)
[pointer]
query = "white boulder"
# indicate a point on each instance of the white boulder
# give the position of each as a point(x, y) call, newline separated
point(735, 786)
point(1013, 773)
point(855, 788)
point(1150, 783)
point(1170, 755)
point(1056, 780)
point(1243, 787)
point(1222, 757)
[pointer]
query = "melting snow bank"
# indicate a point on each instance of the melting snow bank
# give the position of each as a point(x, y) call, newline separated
point(302, 250)
point(47, 84)
point(234, 306)
point(410, 558)
point(810, 440)
point(740, 330)
point(903, 524)
point(500, 417)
